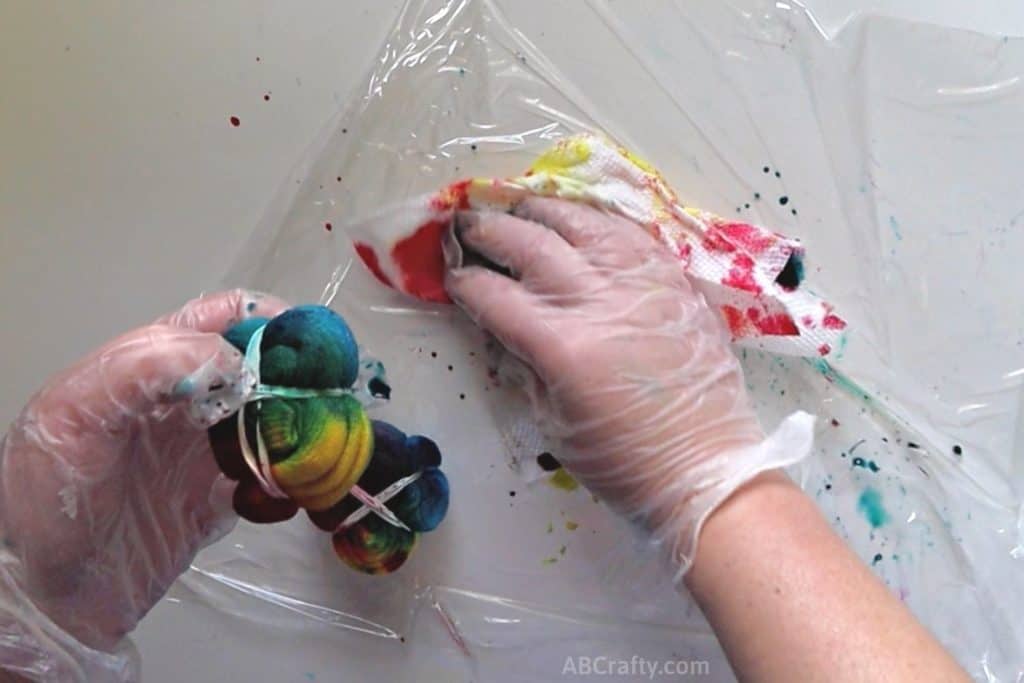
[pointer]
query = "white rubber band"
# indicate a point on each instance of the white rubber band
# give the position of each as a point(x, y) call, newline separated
point(381, 498)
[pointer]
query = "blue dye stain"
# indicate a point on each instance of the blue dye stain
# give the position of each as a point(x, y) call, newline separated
point(866, 464)
point(870, 505)
point(877, 559)
point(310, 676)
point(184, 388)
point(895, 226)
point(251, 306)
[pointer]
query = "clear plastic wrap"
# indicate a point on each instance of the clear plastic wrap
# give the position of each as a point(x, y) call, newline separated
point(887, 148)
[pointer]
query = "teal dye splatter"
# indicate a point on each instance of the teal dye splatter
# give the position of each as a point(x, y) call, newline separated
point(184, 388)
point(841, 381)
point(895, 226)
point(870, 505)
point(877, 559)
point(866, 464)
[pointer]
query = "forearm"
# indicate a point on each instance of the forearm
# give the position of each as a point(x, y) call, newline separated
point(789, 601)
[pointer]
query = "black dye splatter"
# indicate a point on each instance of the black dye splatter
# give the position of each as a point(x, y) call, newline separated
point(757, 195)
point(462, 397)
point(877, 559)
point(783, 200)
point(792, 273)
point(433, 354)
point(766, 169)
point(957, 450)
point(379, 388)
point(512, 494)
point(911, 444)
point(547, 462)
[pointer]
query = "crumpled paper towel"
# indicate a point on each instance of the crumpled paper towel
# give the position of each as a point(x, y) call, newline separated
point(750, 275)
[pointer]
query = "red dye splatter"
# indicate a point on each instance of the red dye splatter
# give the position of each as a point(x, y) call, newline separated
point(747, 237)
point(833, 322)
point(808, 321)
point(455, 196)
point(235, 121)
point(369, 257)
point(777, 324)
point(421, 262)
point(684, 252)
point(328, 227)
point(741, 275)
point(736, 321)
point(824, 349)
point(714, 240)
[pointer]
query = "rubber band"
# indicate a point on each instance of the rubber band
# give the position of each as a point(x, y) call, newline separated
point(381, 497)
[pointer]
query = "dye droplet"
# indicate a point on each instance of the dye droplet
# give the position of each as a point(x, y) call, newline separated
point(765, 169)
point(235, 121)
point(783, 200)
point(379, 388)
point(877, 559)
point(547, 462)
point(512, 494)
point(957, 450)
point(328, 227)
point(266, 98)
point(338, 179)
point(870, 505)
point(757, 195)
point(563, 480)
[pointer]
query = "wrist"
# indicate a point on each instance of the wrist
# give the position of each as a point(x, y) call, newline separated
point(750, 526)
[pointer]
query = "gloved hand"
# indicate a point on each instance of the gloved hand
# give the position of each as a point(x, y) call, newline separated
point(634, 370)
point(108, 489)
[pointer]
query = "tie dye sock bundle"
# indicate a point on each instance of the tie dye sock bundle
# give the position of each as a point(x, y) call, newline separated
point(304, 440)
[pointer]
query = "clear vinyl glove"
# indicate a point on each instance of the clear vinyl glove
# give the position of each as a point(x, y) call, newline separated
point(633, 370)
point(108, 489)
